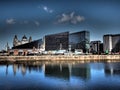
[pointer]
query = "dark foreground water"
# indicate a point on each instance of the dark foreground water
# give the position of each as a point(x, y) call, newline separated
point(62, 76)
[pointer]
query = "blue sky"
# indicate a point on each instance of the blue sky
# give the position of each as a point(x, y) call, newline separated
point(37, 18)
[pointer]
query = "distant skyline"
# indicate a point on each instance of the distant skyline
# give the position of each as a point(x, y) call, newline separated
point(38, 18)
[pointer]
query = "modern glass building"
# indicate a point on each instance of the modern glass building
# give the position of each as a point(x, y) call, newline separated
point(60, 41)
point(57, 41)
point(80, 40)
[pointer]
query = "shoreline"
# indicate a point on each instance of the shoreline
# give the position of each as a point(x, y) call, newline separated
point(60, 58)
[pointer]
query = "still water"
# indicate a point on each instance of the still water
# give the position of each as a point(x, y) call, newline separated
point(60, 76)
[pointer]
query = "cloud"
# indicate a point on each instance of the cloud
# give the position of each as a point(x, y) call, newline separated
point(48, 10)
point(10, 21)
point(70, 18)
point(37, 23)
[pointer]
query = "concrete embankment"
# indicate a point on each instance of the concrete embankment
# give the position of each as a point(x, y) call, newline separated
point(61, 58)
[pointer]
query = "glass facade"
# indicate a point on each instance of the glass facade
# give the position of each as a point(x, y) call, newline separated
point(61, 41)
point(80, 40)
point(57, 41)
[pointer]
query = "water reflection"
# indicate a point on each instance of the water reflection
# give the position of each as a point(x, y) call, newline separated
point(59, 76)
point(24, 68)
point(7, 69)
point(61, 71)
point(81, 71)
point(112, 69)
point(57, 71)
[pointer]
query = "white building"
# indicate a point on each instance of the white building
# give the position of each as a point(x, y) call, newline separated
point(24, 40)
point(111, 42)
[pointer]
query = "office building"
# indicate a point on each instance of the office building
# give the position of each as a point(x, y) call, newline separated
point(58, 41)
point(80, 40)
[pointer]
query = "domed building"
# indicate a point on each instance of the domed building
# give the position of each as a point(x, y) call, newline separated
point(26, 46)
point(24, 40)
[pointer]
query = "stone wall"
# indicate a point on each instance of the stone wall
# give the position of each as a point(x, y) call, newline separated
point(62, 58)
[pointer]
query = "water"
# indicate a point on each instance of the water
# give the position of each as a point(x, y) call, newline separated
point(60, 76)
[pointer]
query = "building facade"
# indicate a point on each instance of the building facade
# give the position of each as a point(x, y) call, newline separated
point(17, 42)
point(96, 47)
point(34, 44)
point(24, 49)
point(111, 42)
point(80, 40)
point(58, 41)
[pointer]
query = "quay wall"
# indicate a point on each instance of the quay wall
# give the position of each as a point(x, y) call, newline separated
point(61, 58)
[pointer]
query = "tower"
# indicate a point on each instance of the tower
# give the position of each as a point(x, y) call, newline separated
point(15, 40)
point(30, 39)
point(7, 47)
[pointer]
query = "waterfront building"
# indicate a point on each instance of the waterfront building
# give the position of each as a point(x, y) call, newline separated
point(79, 40)
point(96, 47)
point(57, 41)
point(34, 44)
point(111, 42)
point(17, 42)
point(7, 47)
point(24, 49)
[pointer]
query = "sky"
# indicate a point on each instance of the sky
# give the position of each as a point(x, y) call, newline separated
point(38, 18)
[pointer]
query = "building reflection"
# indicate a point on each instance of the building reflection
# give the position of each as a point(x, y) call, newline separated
point(57, 71)
point(7, 69)
point(60, 71)
point(25, 67)
point(112, 69)
point(15, 68)
point(81, 71)
point(34, 67)
point(66, 71)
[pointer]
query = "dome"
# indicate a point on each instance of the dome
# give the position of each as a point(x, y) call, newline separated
point(24, 37)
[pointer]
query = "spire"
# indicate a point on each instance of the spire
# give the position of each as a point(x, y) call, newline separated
point(15, 37)
point(30, 39)
point(15, 40)
point(7, 47)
